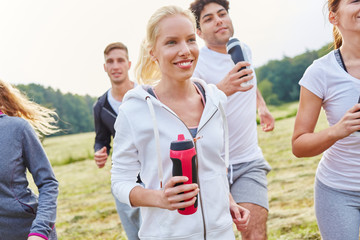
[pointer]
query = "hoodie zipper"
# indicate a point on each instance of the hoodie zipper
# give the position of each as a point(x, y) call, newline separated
point(108, 111)
point(200, 200)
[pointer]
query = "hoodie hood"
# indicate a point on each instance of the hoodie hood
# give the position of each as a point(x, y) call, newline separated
point(140, 92)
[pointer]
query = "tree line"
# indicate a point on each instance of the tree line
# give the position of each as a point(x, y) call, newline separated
point(74, 111)
point(277, 81)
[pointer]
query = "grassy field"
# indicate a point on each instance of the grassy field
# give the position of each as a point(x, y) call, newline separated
point(86, 208)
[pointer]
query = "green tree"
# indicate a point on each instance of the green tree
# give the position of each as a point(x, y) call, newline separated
point(265, 88)
point(285, 74)
point(74, 111)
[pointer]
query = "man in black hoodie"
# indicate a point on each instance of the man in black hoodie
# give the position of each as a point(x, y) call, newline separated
point(106, 109)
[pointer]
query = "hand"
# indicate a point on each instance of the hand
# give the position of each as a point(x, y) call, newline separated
point(267, 122)
point(170, 197)
point(35, 238)
point(100, 157)
point(233, 80)
point(348, 124)
point(240, 216)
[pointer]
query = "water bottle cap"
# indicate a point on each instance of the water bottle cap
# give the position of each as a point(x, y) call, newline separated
point(181, 143)
point(232, 43)
point(181, 137)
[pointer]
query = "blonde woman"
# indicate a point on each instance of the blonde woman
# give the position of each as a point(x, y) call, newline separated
point(23, 215)
point(151, 117)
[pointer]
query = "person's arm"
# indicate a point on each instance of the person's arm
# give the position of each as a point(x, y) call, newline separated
point(102, 138)
point(240, 215)
point(306, 143)
point(126, 167)
point(233, 80)
point(39, 166)
point(167, 198)
point(267, 122)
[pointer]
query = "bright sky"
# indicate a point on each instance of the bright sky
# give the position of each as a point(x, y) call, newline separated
point(60, 43)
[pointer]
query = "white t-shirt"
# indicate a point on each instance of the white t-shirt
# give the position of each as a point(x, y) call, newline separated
point(115, 104)
point(340, 164)
point(240, 109)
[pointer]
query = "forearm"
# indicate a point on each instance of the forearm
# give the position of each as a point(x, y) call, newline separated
point(102, 133)
point(260, 102)
point(47, 205)
point(123, 181)
point(102, 139)
point(267, 121)
point(45, 215)
point(220, 86)
point(100, 145)
point(312, 144)
point(142, 197)
point(171, 197)
point(307, 143)
point(231, 199)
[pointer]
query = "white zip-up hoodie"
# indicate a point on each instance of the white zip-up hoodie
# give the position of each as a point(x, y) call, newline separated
point(135, 150)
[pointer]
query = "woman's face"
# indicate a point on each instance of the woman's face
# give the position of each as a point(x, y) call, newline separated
point(175, 48)
point(347, 17)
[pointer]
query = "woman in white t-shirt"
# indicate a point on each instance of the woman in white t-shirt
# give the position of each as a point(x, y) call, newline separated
point(333, 82)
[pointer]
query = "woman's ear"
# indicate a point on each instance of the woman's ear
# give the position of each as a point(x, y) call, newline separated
point(153, 58)
point(333, 18)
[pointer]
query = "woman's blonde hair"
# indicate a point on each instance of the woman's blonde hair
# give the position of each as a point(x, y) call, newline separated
point(146, 70)
point(14, 103)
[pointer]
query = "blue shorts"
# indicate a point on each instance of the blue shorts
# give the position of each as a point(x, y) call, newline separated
point(248, 183)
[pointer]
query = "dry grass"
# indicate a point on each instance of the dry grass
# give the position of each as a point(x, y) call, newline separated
point(69, 148)
point(291, 183)
point(86, 207)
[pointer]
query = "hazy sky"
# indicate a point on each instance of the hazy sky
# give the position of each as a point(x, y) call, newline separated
point(60, 43)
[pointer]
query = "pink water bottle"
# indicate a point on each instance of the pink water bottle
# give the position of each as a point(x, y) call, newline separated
point(183, 156)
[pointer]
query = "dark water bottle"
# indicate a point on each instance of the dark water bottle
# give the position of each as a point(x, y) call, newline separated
point(183, 156)
point(233, 47)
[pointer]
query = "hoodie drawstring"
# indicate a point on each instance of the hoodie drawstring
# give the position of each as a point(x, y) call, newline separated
point(231, 174)
point(226, 131)
point(157, 139)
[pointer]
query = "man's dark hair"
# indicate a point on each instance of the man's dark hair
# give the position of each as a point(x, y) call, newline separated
point(198, 5)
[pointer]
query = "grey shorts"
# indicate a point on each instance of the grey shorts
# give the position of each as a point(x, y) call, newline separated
point(337, 212)
point(248, 183)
